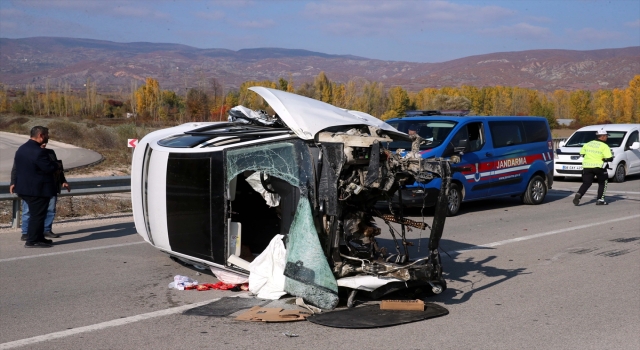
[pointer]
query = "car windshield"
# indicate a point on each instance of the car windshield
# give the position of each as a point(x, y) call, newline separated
point(580, 138)
point(433, 131)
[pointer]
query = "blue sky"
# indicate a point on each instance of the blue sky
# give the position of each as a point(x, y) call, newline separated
point(416, 31)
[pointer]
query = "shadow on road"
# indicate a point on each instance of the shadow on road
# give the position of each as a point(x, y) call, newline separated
point(467, 271)
point(102, 232)
point(470, 272)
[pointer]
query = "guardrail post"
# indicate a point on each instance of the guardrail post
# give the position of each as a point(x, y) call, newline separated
point(15, 219)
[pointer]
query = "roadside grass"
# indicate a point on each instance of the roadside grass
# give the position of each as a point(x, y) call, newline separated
point(75, 207)
point(69, 207)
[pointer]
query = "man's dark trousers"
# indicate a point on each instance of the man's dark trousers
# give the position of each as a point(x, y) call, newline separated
point(38, 211)
point(587, 179)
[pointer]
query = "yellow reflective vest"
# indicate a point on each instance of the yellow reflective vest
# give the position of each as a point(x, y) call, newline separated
point(593, 153)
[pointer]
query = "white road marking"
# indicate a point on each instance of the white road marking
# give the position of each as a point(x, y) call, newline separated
point(70, 251)
point(576, 189)
point(538, 235)
point(99, 326)
point(175, 310)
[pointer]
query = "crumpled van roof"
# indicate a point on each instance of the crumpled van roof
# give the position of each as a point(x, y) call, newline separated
point(306, 117)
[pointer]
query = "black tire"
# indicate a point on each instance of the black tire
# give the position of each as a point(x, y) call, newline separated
point(536, 191)
point(455, 200)
point(442, 283)
point(620, 173)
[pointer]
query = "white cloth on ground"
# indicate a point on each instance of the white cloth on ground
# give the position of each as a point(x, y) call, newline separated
point(266, 272)
point(229, 277)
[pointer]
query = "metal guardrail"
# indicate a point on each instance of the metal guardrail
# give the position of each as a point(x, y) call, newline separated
point(557, 141)
point(79, 187)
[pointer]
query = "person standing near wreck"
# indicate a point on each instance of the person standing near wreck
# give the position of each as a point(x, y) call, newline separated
point(60, 183)
point(35, 183)
point(595, 154)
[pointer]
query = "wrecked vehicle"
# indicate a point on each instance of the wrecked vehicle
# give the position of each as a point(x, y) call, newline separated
point(216, 194)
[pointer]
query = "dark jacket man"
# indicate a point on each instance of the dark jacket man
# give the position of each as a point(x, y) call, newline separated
point(60, 181)
point(35, 183)
point(34, 171)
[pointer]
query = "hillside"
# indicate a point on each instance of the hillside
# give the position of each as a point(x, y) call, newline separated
point(115, 65)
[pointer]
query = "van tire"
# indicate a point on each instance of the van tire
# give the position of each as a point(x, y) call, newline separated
point(620, 173)
point(455, 199)
point(536, 191)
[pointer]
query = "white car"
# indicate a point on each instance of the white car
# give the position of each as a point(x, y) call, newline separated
point(307, 179)
point(623, 141)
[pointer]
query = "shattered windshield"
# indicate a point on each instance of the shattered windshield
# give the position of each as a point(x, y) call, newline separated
point(433, 131)
point(289, 161)
point(581, 138)
point(307, 271)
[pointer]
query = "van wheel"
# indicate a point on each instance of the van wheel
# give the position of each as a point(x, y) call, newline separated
point(620, 173)
point(536, 191)
point(441, 283)
point(455, 199)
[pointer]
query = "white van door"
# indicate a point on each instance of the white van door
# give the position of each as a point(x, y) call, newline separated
point(632, 155)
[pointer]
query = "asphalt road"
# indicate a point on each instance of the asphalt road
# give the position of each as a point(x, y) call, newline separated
point(70, 155)
point(552, 276)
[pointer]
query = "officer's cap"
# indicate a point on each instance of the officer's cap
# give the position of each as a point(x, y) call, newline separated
point(601, 132)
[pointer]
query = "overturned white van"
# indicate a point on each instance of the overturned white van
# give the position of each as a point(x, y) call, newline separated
point(215, 194)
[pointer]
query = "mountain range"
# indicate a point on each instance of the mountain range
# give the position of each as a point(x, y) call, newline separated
point(114, 66)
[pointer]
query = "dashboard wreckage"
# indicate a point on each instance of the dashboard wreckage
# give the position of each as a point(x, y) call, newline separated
point(216, 194)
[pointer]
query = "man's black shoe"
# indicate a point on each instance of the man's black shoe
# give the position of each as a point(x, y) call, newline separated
point(576, 199)
point(47, 241)
point(23, 237)
point(51, 234)
point(37, 245)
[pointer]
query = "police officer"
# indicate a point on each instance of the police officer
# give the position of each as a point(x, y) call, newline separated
point(595, 154)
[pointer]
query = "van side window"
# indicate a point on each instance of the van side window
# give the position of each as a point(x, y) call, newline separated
point(476, 136)
point(536, 131)
point(473, 133)
point(507, 133)
point(632, 138)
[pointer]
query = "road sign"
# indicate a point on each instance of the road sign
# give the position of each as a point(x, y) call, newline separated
point(132, 142)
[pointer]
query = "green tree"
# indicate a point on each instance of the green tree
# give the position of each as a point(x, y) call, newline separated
point(322, 88)
point(283, 84)
point(541, 106)
point(197, 105)
point(580, 107)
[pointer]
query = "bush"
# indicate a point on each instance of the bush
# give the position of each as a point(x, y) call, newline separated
point(67, 132)
point(103, 139)
point(19, 107)
point(13, 122)
point(126, 131)
point(18, 128)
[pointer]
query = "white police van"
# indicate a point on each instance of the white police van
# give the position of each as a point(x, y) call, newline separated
point(503, 156)
point(624, 144)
